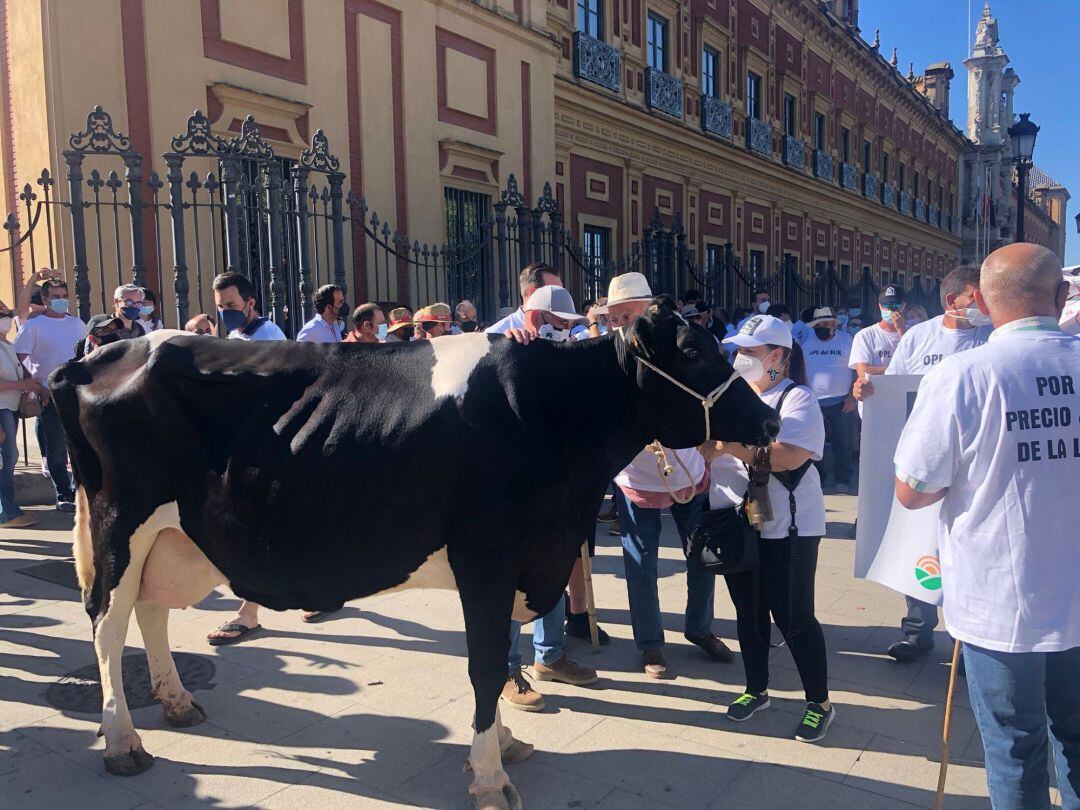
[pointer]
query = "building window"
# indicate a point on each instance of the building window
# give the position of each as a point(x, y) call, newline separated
point(757, 264)
point(916, 186)
point(950, 209)
point(590, 18)
point(790, 115)
point(867, 151)
point(819, 131)
point(929, 191)
point(596, 246)
point(710, 72)
point(885, 167)
point(657, 45)
point(845, 144)
point(940, 196)
point(902, 176)
point(466, 214)
point(753, 96)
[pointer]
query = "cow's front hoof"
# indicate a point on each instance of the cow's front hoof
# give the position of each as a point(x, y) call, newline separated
point(191, 716)
point(130, 764)
point(506, 799)
point(517, 751)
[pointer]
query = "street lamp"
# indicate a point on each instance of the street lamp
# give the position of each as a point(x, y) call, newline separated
point(1022, 134)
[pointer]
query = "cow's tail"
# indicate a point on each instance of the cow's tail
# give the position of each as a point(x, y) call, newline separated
point(83, 545)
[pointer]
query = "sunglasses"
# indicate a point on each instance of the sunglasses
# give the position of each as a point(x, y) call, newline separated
point(430, 326)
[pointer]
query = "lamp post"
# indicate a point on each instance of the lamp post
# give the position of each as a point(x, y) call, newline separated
point(1022, 135)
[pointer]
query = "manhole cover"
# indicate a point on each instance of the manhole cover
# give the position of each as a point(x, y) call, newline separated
point(80, 691)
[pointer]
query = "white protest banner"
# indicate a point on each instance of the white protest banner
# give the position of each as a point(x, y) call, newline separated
point(895, 546)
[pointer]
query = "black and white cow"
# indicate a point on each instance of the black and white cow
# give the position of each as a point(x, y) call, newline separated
point(250, 441)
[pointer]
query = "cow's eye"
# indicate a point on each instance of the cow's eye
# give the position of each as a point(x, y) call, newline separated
point(690, 353)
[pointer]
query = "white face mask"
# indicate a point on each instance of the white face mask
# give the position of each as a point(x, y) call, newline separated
point(5, 325)
point(549, 332)
point(972, 315)
point(749, 368)
point(380, 331)
point(763, 307)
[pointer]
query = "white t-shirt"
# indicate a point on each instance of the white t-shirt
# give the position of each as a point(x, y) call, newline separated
point(801, 425)
point(926, 344)
point(10, 370)
point(50, 342)
point(998, 428)
point(827, 365)
point(267, 330)
point(515, 320)
point(642, 473)
point(873, 346)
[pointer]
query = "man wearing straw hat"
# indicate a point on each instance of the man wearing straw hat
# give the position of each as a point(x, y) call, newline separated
point(400, 325)
point(993, 437)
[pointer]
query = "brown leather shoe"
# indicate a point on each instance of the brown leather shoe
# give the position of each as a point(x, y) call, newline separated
point(519, 693)
point(713, 647)
point(654, 663)
point(564, 671)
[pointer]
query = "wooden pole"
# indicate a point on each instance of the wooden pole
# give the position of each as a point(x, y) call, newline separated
point(944, 769)
point(586, 571)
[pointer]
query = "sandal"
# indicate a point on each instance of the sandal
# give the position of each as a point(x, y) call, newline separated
point(241, 631)
point(316, 616)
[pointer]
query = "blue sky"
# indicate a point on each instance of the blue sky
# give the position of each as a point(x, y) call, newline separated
point(1040, 37)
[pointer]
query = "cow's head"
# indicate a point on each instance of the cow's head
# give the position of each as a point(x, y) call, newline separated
point(669, 356)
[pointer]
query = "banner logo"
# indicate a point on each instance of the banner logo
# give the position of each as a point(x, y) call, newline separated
point(928, 573)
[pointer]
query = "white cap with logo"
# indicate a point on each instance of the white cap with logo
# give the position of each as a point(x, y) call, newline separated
point(762, 330)
point(555, 300)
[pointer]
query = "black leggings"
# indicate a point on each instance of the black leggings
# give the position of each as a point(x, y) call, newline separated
point(802, 631)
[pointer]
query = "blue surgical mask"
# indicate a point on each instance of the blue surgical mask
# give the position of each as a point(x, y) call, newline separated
point(131, 313)
point(232, 318)
point(855, 312)
point(842, 319)
point(59, 305)
point(380, 333)
point(146, 309)
point(886, 315)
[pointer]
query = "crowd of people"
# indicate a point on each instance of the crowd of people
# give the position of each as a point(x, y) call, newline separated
point(1022, 638)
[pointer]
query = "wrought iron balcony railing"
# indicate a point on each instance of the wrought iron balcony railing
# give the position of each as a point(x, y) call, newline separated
point(794, 152)
point(848, 176)
point(759, 136)
point(869, 185)
point(823, 165)
point(932, 215)
point(920, 210)
point(596, 61)
point(663, 92)
point(715, 117)
point(905, 203)
point(888, 195)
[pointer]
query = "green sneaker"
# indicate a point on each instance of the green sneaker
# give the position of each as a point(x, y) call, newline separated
point(815, 723)
point(746, 706)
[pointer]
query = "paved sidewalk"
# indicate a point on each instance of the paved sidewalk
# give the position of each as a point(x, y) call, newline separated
point(373, 709)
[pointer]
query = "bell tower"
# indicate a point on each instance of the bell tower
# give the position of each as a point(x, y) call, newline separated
point(986, 123)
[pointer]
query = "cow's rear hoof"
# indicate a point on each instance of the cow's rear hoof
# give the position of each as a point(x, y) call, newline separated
point(192, 716)
point(130, 764)
point(505, 799)
point(517, 751)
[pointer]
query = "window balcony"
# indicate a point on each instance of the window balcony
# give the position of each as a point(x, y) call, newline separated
point(759, 136)
point(848, 176)
point(932, 215)
point(663, 92)
point(823, 165)
point(888, 195)
point(920, 210)
point(794, 152)
point(869, 186)
point(715, 117)
point(905, 203)
point(597, 62)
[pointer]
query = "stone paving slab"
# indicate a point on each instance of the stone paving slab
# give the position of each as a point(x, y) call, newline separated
point(373, 708)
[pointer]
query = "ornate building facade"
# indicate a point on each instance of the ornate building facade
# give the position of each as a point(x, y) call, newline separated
point(988, 172)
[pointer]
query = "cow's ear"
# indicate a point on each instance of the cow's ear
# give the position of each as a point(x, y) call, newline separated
point(660, 309)
point(639, 336)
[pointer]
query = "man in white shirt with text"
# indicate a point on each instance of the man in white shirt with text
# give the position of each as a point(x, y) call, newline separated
point(993, 436)
point(922, 347)
point(872, 349)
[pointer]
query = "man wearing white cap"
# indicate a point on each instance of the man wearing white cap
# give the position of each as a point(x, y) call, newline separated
point(533, 277)
point(641, 498)
point(828, 355)
point(551, 313)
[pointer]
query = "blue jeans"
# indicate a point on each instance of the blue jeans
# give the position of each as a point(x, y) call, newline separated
point(50, 436)
point(1021, 702)
point(641, 544)
point(549, 638)
point(10, 451)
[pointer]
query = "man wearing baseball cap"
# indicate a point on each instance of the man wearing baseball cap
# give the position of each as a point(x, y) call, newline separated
point(399, 325)
point(551, 312)
point(828, 353)
point(872, 349)
point(532, 277)
point(434, 320)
